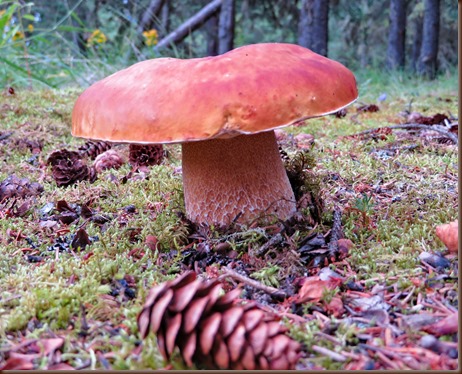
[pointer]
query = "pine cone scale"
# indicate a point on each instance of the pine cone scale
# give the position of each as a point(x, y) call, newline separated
point(258, 338)
point(183, 296)
point(232, 316)
point(208, 331)
point(174, 324)
point(161, 307)
point(236, 342)
point(194, 313)
point(248, 359)
point(187, 345)
point(221, 355)
point(253, 318)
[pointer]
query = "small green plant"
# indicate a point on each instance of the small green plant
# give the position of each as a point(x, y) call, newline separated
point(364, 206)
point(268, 276)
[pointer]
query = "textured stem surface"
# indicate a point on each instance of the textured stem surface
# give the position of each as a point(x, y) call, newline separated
point(223, 178)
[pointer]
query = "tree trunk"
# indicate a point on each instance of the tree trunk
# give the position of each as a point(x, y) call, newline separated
point(305, 23)
point(417, 42)
point(313, 25)
point(77, 36)
point(426, 65)
point(189, 25)
point(165, 17)
point(212, 35)
point(226, 27)
point(146, 22)
point(396, 34)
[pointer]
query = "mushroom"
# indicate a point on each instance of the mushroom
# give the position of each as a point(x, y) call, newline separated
point(223, 110)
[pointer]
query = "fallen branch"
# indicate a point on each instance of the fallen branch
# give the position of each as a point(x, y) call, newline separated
point(276, 239)
point(190, 25)
point(335, 233)
point(253, 283)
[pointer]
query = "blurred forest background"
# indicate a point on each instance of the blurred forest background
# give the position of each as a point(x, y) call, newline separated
point(76, 42)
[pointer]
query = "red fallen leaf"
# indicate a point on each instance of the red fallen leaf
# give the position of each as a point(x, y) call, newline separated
point(86, 256)
point(44, 346)
point(313, 288)
point(22, 362)
point(136, 253)
point(51, 345)
point(60, 366)
point(449, 235)
point(335, 307)
point(344, 246)
point(151, 242)
point(446, 326)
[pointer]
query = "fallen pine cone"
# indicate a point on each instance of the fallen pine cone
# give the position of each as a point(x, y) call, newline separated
point(93, 149)
point(449, 235)
point(68, 168)
point(146, 154)
point(212, 331)
point(109, 159)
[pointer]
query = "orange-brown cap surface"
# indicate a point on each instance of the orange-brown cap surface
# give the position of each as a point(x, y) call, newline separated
point(248, 90)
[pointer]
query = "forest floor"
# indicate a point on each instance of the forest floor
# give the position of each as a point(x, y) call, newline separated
point(77, 262)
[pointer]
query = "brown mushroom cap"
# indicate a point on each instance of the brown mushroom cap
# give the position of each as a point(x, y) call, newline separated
point(208, 104)
point(250, 89)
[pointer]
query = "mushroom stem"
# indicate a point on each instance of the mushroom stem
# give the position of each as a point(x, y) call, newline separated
point(243, 175)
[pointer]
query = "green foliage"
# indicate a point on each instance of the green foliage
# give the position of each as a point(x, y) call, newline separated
point(76, 42)
point(268, 275)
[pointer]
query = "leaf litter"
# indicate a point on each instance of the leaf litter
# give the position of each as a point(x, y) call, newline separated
point(347, 312)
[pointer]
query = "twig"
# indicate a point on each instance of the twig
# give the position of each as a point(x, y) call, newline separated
point(253, 283)
point(276, 239)
point(327, 352)
point(389, 362)
point(382, 353)
point(6, 135)
point(335, 233)
point(325, 336)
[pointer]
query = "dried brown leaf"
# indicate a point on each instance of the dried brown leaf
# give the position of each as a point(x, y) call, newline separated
point(449, 235)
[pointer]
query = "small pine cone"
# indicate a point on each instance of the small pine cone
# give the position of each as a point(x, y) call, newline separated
point(68, 168)
point(146, 154)
point(92, 149)
point(212, 331)
point(108, 160)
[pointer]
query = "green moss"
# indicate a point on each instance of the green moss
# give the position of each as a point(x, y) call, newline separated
point(403, 195)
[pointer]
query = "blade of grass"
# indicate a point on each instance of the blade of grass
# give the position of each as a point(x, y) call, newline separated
point(25, 72)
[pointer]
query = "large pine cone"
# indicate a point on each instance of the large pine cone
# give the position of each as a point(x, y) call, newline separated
point(212, 331)
point(146, 154)
point(68, 168)
point(92, 149)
